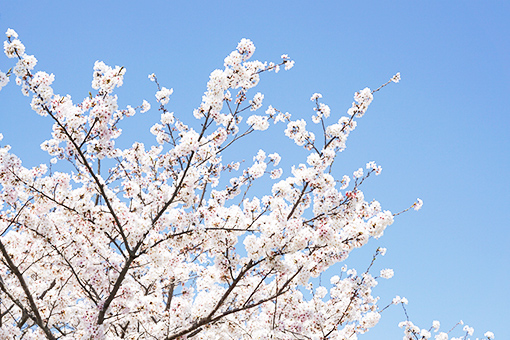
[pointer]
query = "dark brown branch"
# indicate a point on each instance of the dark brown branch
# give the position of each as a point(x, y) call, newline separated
point(298, 201)
point(26, 290)
point(48, 289)
point(178, 186)
point(116, 287)
point(170, 296)
point(85, 162)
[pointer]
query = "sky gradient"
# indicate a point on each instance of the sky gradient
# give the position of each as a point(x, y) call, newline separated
point(441, 134)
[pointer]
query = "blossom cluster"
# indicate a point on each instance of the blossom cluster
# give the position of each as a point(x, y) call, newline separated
point(413, 332)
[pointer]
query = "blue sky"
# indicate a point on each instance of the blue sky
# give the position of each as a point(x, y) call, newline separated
point(441, 134)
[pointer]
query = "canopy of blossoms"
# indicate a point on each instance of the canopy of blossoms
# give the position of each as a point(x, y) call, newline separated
point(168, 242)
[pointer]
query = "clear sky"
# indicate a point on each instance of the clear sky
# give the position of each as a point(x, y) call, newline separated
point(441, 134)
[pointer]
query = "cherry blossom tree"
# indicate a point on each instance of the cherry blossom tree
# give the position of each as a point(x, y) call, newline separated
point(169, 242)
